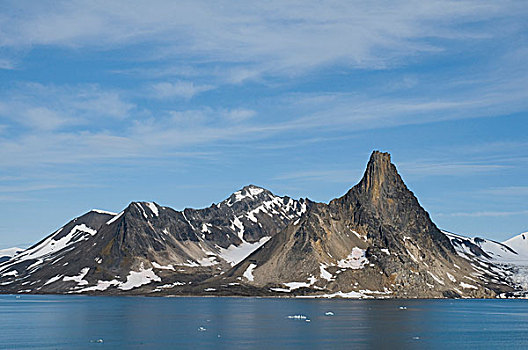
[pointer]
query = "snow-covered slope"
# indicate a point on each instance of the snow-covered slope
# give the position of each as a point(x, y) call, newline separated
point(519, 244)
point(6, 254)
point(501, 261)
point(512, 251)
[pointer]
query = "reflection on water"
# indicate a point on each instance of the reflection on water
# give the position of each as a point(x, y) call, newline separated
point(66, 322)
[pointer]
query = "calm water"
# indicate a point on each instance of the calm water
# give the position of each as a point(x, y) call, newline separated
point(77, 322)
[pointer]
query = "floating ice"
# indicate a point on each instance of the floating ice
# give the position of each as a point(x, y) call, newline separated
point(298, 317)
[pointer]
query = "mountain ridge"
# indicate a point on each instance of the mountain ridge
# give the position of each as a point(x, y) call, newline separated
point(374, 241)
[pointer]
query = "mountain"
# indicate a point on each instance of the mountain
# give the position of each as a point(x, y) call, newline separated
point(506, 261)
point(147, 243)
point(6, 254)
point(374, 241)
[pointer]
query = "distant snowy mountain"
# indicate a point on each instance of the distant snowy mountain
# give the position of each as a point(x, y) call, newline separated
point(507, 261)
point(6, 254)
point(519, 244)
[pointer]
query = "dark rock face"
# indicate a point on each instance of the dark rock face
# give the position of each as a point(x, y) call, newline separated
point(375, 241)
point(383, 204)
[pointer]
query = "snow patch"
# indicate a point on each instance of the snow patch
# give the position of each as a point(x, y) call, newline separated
point(153, 208)
point(79, 278)
point(103, 212)
point(361, 294)
point(209, 261)
point(161, 267)
point(100, 286)
point(249, 192)
point(138, 278)
point(436, 278)
point(355, 260)
point(114, 218)
point(412, 256)
point(51, 244)
point(325, 274)
point(467, 286)
point(238, 224)
point(451, 277)
point(13, 273)
point(248, 274)
point(53, 279)
point(235, 254)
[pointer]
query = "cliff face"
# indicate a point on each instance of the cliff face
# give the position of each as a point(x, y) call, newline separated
point(383, 204)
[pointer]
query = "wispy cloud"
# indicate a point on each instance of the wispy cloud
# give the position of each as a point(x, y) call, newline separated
point(339, 176)
point(51, 107)
point(448, 168)
point(270, 35)
point(6, 64)
point(483, 214)
point(508, 191)
point(180, 89)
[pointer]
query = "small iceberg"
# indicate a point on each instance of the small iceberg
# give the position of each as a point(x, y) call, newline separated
point(329, 313)
point(403, 307)
point(201, 329)
point(297, 317)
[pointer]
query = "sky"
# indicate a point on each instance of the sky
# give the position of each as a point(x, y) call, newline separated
point(182, 103)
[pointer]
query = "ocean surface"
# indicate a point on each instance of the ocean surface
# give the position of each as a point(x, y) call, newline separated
point(83, 322)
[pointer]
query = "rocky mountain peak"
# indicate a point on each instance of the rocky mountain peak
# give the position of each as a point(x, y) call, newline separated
point(380, 177)
point(382, 203)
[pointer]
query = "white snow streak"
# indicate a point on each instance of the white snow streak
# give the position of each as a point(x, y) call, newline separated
point(161, 267)
point(152, 206)
point(114, 218)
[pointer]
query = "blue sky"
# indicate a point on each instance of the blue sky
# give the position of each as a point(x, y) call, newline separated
point(183, 103)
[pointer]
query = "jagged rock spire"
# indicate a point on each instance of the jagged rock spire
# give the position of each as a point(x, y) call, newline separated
point(380, 177)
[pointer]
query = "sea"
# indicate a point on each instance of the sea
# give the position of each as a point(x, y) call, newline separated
point(97, 322)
